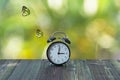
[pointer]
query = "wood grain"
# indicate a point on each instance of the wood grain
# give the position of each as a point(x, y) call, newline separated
point(73, 70)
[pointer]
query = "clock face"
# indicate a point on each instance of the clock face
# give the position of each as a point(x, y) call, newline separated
point(58, 53)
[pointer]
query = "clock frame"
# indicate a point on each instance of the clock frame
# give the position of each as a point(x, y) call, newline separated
point(51, 46)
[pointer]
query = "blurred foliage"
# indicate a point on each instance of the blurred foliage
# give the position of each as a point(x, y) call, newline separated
point(92, 26)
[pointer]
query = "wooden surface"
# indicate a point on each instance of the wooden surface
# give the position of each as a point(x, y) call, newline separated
point(73, 70)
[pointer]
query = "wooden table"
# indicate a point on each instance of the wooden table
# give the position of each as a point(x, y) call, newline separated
point(73, 70)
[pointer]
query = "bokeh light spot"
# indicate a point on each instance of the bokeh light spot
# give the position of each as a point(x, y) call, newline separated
point(56, 4)
point(106, 41)
point(13, 47)
point(90, 7)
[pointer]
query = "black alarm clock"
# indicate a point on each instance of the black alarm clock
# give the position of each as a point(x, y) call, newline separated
point(58, 52)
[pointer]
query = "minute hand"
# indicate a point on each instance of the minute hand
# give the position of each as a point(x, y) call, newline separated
point(58, 49)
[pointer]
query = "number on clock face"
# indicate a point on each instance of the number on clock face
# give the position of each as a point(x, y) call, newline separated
point(58, 53)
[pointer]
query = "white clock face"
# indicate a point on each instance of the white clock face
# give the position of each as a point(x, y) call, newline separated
point(58, 53)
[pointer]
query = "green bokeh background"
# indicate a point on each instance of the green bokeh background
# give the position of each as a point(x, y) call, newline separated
point(93, 26)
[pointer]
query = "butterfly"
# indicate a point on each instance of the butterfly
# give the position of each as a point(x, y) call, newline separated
point(25, 11)
point(39, 33)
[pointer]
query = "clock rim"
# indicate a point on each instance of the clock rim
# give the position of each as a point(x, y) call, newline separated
point(55, 43)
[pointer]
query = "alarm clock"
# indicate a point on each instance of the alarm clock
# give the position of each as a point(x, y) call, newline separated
point(58, 52)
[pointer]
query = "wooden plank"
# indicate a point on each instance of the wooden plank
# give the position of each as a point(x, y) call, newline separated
point(73, 70)
point(51, 72)
point(7, 68)
point(97, 69)
point(1, 64)
point(69, 71)
point(26, 70)
point(82, 70)
point(113, 71)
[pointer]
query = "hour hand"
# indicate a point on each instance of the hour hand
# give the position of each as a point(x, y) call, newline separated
point(60, 53)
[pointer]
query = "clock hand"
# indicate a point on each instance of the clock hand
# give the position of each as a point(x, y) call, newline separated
point(59, 50)
point(61, 53)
